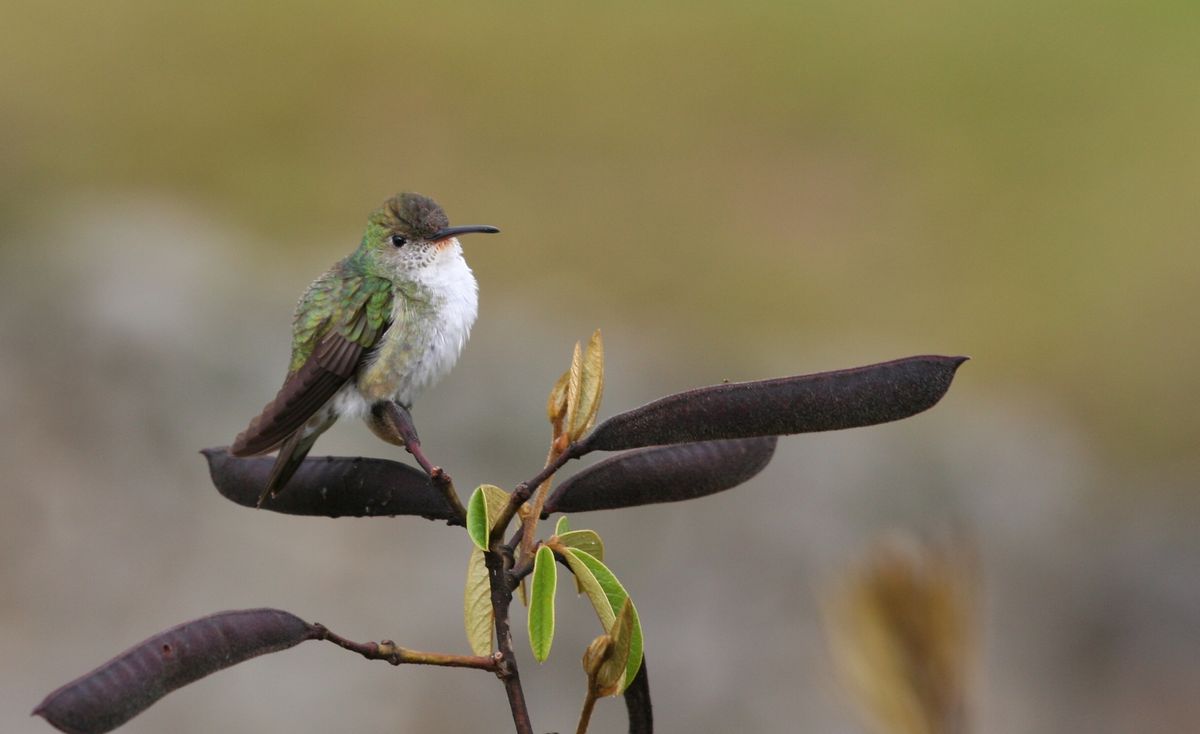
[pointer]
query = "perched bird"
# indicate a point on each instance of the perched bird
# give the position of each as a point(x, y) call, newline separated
point(382, 324)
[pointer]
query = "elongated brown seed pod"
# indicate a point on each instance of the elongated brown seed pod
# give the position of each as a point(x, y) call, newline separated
point(663, 474)
point(122, 688)
point(330, 486)
point(826, 401)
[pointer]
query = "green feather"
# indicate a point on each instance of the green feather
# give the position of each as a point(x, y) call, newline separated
point(347, 302)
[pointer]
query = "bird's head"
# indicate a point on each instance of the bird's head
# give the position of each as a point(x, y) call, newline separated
point(411, 233)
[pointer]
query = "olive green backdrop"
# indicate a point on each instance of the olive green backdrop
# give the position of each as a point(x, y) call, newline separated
point(736, 191)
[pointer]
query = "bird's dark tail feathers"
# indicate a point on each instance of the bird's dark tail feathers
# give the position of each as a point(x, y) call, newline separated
point(291, 456)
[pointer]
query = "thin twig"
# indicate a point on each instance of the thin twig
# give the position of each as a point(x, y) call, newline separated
point(516, 538)
point(521, 494)
point(529, 527)
point(524, 567)
point(444, 484)
point(521, 570)
point(390, 652)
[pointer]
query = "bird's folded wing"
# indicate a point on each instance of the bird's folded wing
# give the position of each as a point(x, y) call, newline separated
point(305, 391)
point(344, 319)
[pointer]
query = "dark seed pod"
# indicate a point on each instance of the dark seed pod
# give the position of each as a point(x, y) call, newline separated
point(128, 684)
point(826, 401)
point(637, 703)
point(663, 474)
point(331, 486)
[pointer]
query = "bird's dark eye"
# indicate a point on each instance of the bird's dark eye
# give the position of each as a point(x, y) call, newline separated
point(399, 240)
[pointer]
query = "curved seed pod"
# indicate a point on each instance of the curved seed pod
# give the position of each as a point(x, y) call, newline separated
point(663, 474)
point(826, 401)
point(331, 486)
point(637, 703)
point(128, 684)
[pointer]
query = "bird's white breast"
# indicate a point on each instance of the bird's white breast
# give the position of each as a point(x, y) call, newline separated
point(426, 337)
point(455, 298)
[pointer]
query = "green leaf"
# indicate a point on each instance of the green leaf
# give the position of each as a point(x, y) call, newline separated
point(486, 505)
point(541, 603)
point(478, 522)
point(497, 500)
point(615, 596)
point(587, 541)
point(610, 673)
point(478, 615)
point(590, 585)
point(562, 526)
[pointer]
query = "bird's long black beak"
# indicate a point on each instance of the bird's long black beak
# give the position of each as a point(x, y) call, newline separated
point(448, 232)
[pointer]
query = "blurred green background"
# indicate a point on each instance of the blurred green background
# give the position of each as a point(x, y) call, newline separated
point(731, 191)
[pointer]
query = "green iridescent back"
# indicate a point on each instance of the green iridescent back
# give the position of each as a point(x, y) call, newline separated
point(355, 305)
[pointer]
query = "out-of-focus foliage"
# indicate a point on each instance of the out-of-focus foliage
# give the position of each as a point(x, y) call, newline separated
point(902, 630)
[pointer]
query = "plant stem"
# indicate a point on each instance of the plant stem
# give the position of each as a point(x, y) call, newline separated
point(529, 528)
point(444, 484)
point(392, 653)
point(498, 563)
point(521, 494)
point(585, 716)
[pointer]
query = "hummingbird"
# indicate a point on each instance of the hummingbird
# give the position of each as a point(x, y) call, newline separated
point(382, 324)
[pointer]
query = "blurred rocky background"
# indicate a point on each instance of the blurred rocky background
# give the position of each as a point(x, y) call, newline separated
point(731, 191)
